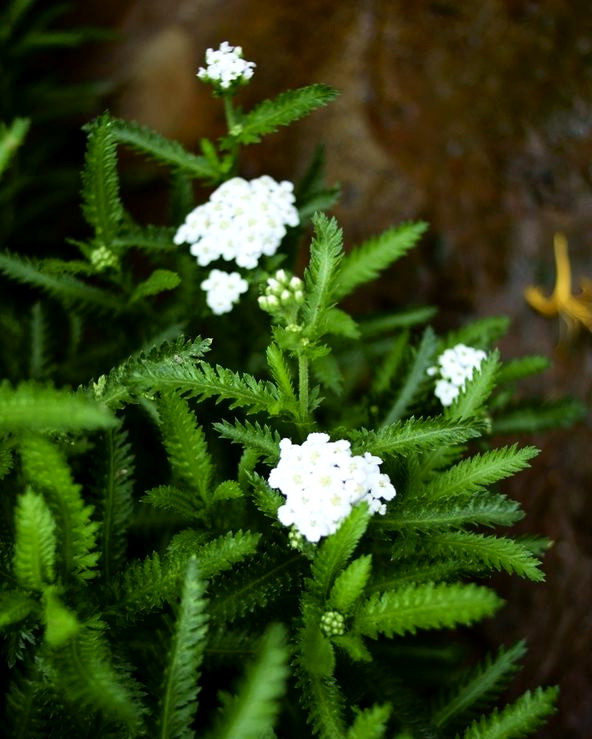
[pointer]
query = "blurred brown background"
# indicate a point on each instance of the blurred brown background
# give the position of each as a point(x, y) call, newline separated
point(475, 116)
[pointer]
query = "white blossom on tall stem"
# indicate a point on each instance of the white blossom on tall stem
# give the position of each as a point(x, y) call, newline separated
point(225, 67)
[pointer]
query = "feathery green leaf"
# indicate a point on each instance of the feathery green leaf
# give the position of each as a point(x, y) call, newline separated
point(178, 703)
point(414, 434)
point(35, 542)
point(416, 377)
point(32, 407)
point(365, 262)
point(282, 110)
point(334, 552)
point(475, 473)
point(101, 205)
point(116, 486)
point(159, 281)
point(426, 606)
point(186, 446)
point(322, 274)
point(252, 712)
point(46, 470)
point(163, 150)
point(495, 552)
point(65, 288)
point(517, 719)
point(370, 723)
point(481, 684)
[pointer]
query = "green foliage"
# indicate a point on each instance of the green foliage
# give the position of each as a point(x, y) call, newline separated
point(163, 150)
point(518, 719)
point(46, 470)
point(252, 710)
point(365, 263)
point(424, 606)
point(116, 493)
point(35, 542)
point(101, 205)
point(11, 138)
point(480, 686)
point(68, 290)
point(178, 702)
point(269, 115)
point(159, 281)
point(186, 446)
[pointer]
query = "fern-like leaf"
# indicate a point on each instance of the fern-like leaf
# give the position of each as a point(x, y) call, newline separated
point(334, 553)
point(421, 513)
point(123, 382)
point(84, 674)
point(101, 204)
point(518, 369)
point(425, 606)
point(46, 470)
point(370, 723)
point(117, 485)
point(31, 407)
point(414, 434)
point(349, 585)
point(251, 713)
point(365, 262)
point(518, 719)
point(287, 107)
point(163, 150)
point(477, 472)
point(63, 287)
point(178, 703)
point(416, 377)
point(11, 138)
point(14, 604)
point(481, 333)
point(530, 418)
point(186, 446)
point(35, 542)
point(494, 552)
point(322, 274)
point(161, 280)
point(482, 684)
point(252, 436)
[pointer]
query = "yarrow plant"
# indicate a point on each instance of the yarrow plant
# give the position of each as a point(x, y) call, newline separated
point(215, 548)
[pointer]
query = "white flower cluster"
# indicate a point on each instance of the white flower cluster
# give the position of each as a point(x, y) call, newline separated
point(223, 290)
point(322, 482)
point(455, 367)
point(241, 221)
point(225, 67)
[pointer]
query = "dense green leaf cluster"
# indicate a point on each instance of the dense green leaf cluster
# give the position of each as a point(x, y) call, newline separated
point(148, 586)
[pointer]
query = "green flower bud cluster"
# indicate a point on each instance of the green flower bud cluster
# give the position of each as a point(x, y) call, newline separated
point(332, 623)
point(102, 258)
point(283, 296)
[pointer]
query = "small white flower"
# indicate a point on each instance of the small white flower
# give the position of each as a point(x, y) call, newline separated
point(454, 368)
point(223, 290)
point(322, 481)
point(225, 67)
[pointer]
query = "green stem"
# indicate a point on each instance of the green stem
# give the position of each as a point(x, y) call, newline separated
point(303, 386)
point(231, 122)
